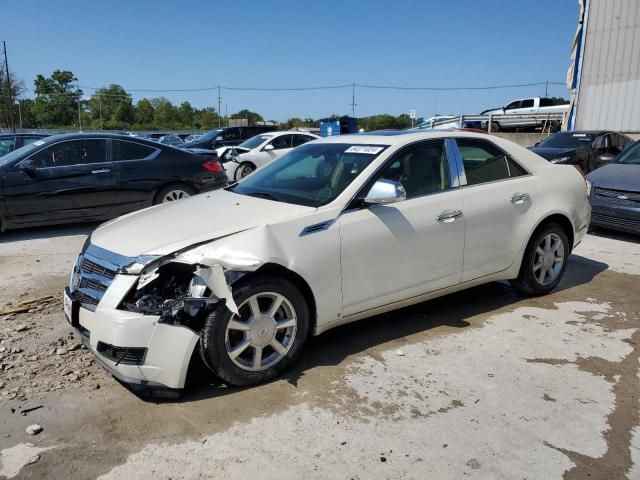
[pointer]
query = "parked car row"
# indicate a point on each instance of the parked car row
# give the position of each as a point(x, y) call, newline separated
point(612, 162)
point(13, 141)
point(97, 176)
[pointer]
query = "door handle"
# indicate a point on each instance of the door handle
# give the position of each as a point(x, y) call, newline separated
point(519, 198)
point(448, 216)
point(101, 170)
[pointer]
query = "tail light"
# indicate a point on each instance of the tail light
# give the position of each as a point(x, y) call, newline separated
point(586, 180)
point(213, 166)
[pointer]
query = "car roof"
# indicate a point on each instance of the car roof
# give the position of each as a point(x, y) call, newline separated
point(81, 135)
point(393, 137)
point(22, 134)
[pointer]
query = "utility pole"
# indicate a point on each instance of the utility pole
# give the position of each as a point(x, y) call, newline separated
point(9, 92)
point(20, 113)
point(353, 100)
point(219, 112)
point(546, 89)
point(79, 119)
point(100, 108)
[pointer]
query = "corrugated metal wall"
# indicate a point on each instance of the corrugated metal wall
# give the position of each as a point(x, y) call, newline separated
point(609, 94)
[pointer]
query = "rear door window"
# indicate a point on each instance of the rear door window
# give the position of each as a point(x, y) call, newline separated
point(301, 139)
point(122, 151)
point(283, 141)
point(484, 162)
point(528, 103)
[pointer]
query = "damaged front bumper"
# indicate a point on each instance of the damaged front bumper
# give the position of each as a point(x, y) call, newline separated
point(130, 316)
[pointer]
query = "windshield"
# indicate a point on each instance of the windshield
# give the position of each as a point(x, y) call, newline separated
point(630, 156)
point(9, 157)
point(567, 140)
point(311, 175)
point(254, 142)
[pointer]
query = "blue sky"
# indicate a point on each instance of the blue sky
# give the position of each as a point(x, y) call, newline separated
point(195, 44)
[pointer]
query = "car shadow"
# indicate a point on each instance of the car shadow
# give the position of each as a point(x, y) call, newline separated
point(335, 346)
point(36, 233)
point(614, 235)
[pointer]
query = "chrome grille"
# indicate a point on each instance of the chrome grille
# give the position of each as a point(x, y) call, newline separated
point(91, 278)
point(87, 266)
point(618, 196)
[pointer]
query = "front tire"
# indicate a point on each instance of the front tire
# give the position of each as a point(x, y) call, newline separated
point(243, 170)
point(267, 335)
point(544, 261)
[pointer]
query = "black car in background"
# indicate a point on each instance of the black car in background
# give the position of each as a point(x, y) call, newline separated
point(587, 149)
point(222, 137)
point(615, 193)
point(13, 141)
point(93, 176)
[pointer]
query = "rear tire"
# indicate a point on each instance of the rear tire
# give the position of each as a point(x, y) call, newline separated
point(241, 350)
point(171, 193)
point(544, 261)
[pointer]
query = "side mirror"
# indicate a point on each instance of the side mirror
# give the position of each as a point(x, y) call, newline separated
point(28, 168)
point(268, 148)
point(385, 191)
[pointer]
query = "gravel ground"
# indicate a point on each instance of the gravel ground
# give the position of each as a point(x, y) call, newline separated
point(479, 384)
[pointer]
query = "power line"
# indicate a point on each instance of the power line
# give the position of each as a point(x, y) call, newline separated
point(330, 87)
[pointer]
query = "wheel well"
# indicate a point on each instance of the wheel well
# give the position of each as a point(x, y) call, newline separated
point(171, 184)
point(561, 220)
point(298, 281)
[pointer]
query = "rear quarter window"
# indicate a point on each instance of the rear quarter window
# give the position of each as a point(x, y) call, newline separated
point(484, 162)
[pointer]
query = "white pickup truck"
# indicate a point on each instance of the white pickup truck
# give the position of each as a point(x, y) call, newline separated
point(525, 106)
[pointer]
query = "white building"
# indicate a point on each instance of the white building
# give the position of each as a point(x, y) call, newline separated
point(605, 74)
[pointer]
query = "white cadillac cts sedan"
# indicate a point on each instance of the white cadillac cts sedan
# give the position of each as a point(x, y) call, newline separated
point(337, 230)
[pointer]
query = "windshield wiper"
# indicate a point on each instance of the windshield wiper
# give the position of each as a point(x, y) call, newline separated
point(264, 195)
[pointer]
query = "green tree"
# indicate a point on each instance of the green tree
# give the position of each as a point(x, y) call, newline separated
point(144, 113)
point(205, 119)
point(166, 114)
point(185, 115)
point(112, 107)
point(252, 117)
point(16, 87)
point(57, 99)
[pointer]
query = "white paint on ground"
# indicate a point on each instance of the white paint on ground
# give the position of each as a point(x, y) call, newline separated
point(622, 256)
point(13, 459)
point(479, 403)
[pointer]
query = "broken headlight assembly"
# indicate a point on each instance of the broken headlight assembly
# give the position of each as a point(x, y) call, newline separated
point(177, 294)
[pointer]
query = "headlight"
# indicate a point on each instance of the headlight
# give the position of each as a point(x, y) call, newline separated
point(560, 159)
point(588, 187)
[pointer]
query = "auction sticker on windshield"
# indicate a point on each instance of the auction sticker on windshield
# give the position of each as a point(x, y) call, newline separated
point(366, 149)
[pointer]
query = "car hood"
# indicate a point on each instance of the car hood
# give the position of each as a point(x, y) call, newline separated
point(169, 227)
point(553, 152)
point(617, 176)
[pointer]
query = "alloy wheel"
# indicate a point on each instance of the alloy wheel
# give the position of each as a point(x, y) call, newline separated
point(174, 195)
point(548, 259)
point(263, 332)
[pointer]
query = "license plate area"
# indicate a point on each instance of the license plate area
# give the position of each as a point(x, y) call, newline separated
point(71, 308)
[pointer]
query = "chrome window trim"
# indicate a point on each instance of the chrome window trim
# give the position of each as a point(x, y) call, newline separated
point(463, 178)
